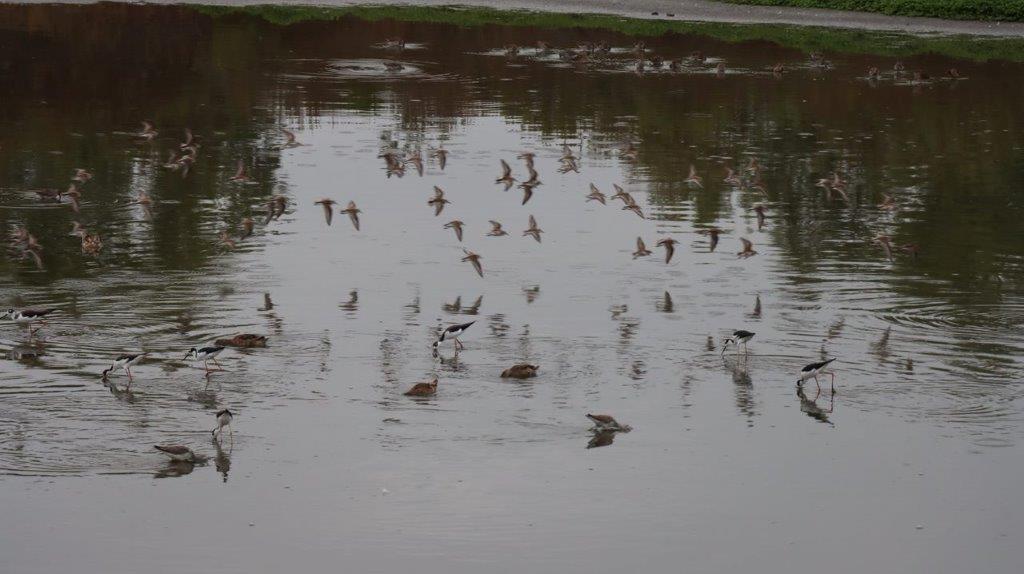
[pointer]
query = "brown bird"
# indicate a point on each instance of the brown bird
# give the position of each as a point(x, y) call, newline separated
point(240, 175)
point(474, 259)
point(527, 191)
point(245, 340)
point(720, 69)
point(641, 249)
point(520, 371)
point(496, 230)
point(177, 452)
point(670, 247)
point(759, 210)
point(621, 194)
point(888, 203)
point(712, 234)
point(280, 203)
point(608, 423)
point(442, 157)
point(224, 240)
point(247, 226)
point(506, 175)
point(457, 226)
point(81, 175)
point(533, 180)
point(148, 131)
point(596, 195)
point(416, 159)
point(748, 249)
point(533, 230)
point(693, 179)
point(778, 69)
point(353, 214)
point(527, 156)
point(731, 178)
point(289, 138)
point(632, 206)
point(953, 74)
point(327, 204)
point(438, 201)
point(873, 73)
point(422, 389)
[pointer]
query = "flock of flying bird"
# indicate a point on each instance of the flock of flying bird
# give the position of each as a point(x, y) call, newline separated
point(24, 245)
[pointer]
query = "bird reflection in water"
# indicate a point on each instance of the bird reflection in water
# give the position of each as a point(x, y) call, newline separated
point(531, 293)
point(475, 307)
point(175, 469)
point(601, 438)
point(880, 348)
point(223, 460)
point(450, 363)
point(352, 305)
point(743, 386)
point(665, 305)
point(756, 313)
point(453, 307)
point(496, 323)
point(811, 407)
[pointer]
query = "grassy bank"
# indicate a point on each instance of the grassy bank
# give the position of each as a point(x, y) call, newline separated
point(800, 37)
point(1002, 10)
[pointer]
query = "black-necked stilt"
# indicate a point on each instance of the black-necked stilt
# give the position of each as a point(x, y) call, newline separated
point(452, 332)
point(422, 389)
point(28, 317)
point(125, 363)
point(520, 371)
point(224, 418)
point(813, 370)
point(206, 354)
point(177, 452)
point(608, 423)
point(738, 337)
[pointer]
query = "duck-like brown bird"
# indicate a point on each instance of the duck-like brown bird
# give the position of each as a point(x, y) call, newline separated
point(422, 389)
point(520, 371)
point(244, 340)
point(608, 423)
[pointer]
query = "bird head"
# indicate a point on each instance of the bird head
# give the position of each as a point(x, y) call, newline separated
point(191, 352)
point(8, 313)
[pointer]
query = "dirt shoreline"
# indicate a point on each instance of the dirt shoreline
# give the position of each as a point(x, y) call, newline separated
point(691, 10)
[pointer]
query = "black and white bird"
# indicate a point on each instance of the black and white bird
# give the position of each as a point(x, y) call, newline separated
point(125, 363)
point(738, 337)
point(28, 317)
point(206, 354)
point(223, 420)
point(176, 452)
point(453, 333)
point(813, 370)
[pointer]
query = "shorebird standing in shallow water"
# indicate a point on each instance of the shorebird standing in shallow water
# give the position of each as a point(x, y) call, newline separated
point(608, 423)
point(738, 337)
point(641, 249)
point(177, 453)
point(670, 247)
point(812, 371)
point(125, 363)
point(28, 317)
point(452, 333)
point(224, 419)
point(533, 230)
point(353, 214)
point(455, 225)
point(327, 204)
point(206, 354)
point(474, 259)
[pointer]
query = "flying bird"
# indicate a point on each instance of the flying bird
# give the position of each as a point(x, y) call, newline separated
point(641, 249)
point(748, 248)
point(457, 226)
point(353, 214)
point(496, 230)
point(327, 204)
point(474, 259)
point(533, 230)
point(670, 247)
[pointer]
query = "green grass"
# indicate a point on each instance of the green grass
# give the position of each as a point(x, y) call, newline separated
point(1003, 10)
point(804, 38)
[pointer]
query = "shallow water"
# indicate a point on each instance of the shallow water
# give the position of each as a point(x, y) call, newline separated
point(910, 466)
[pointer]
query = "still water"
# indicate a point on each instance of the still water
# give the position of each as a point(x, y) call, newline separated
point(912, 466)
